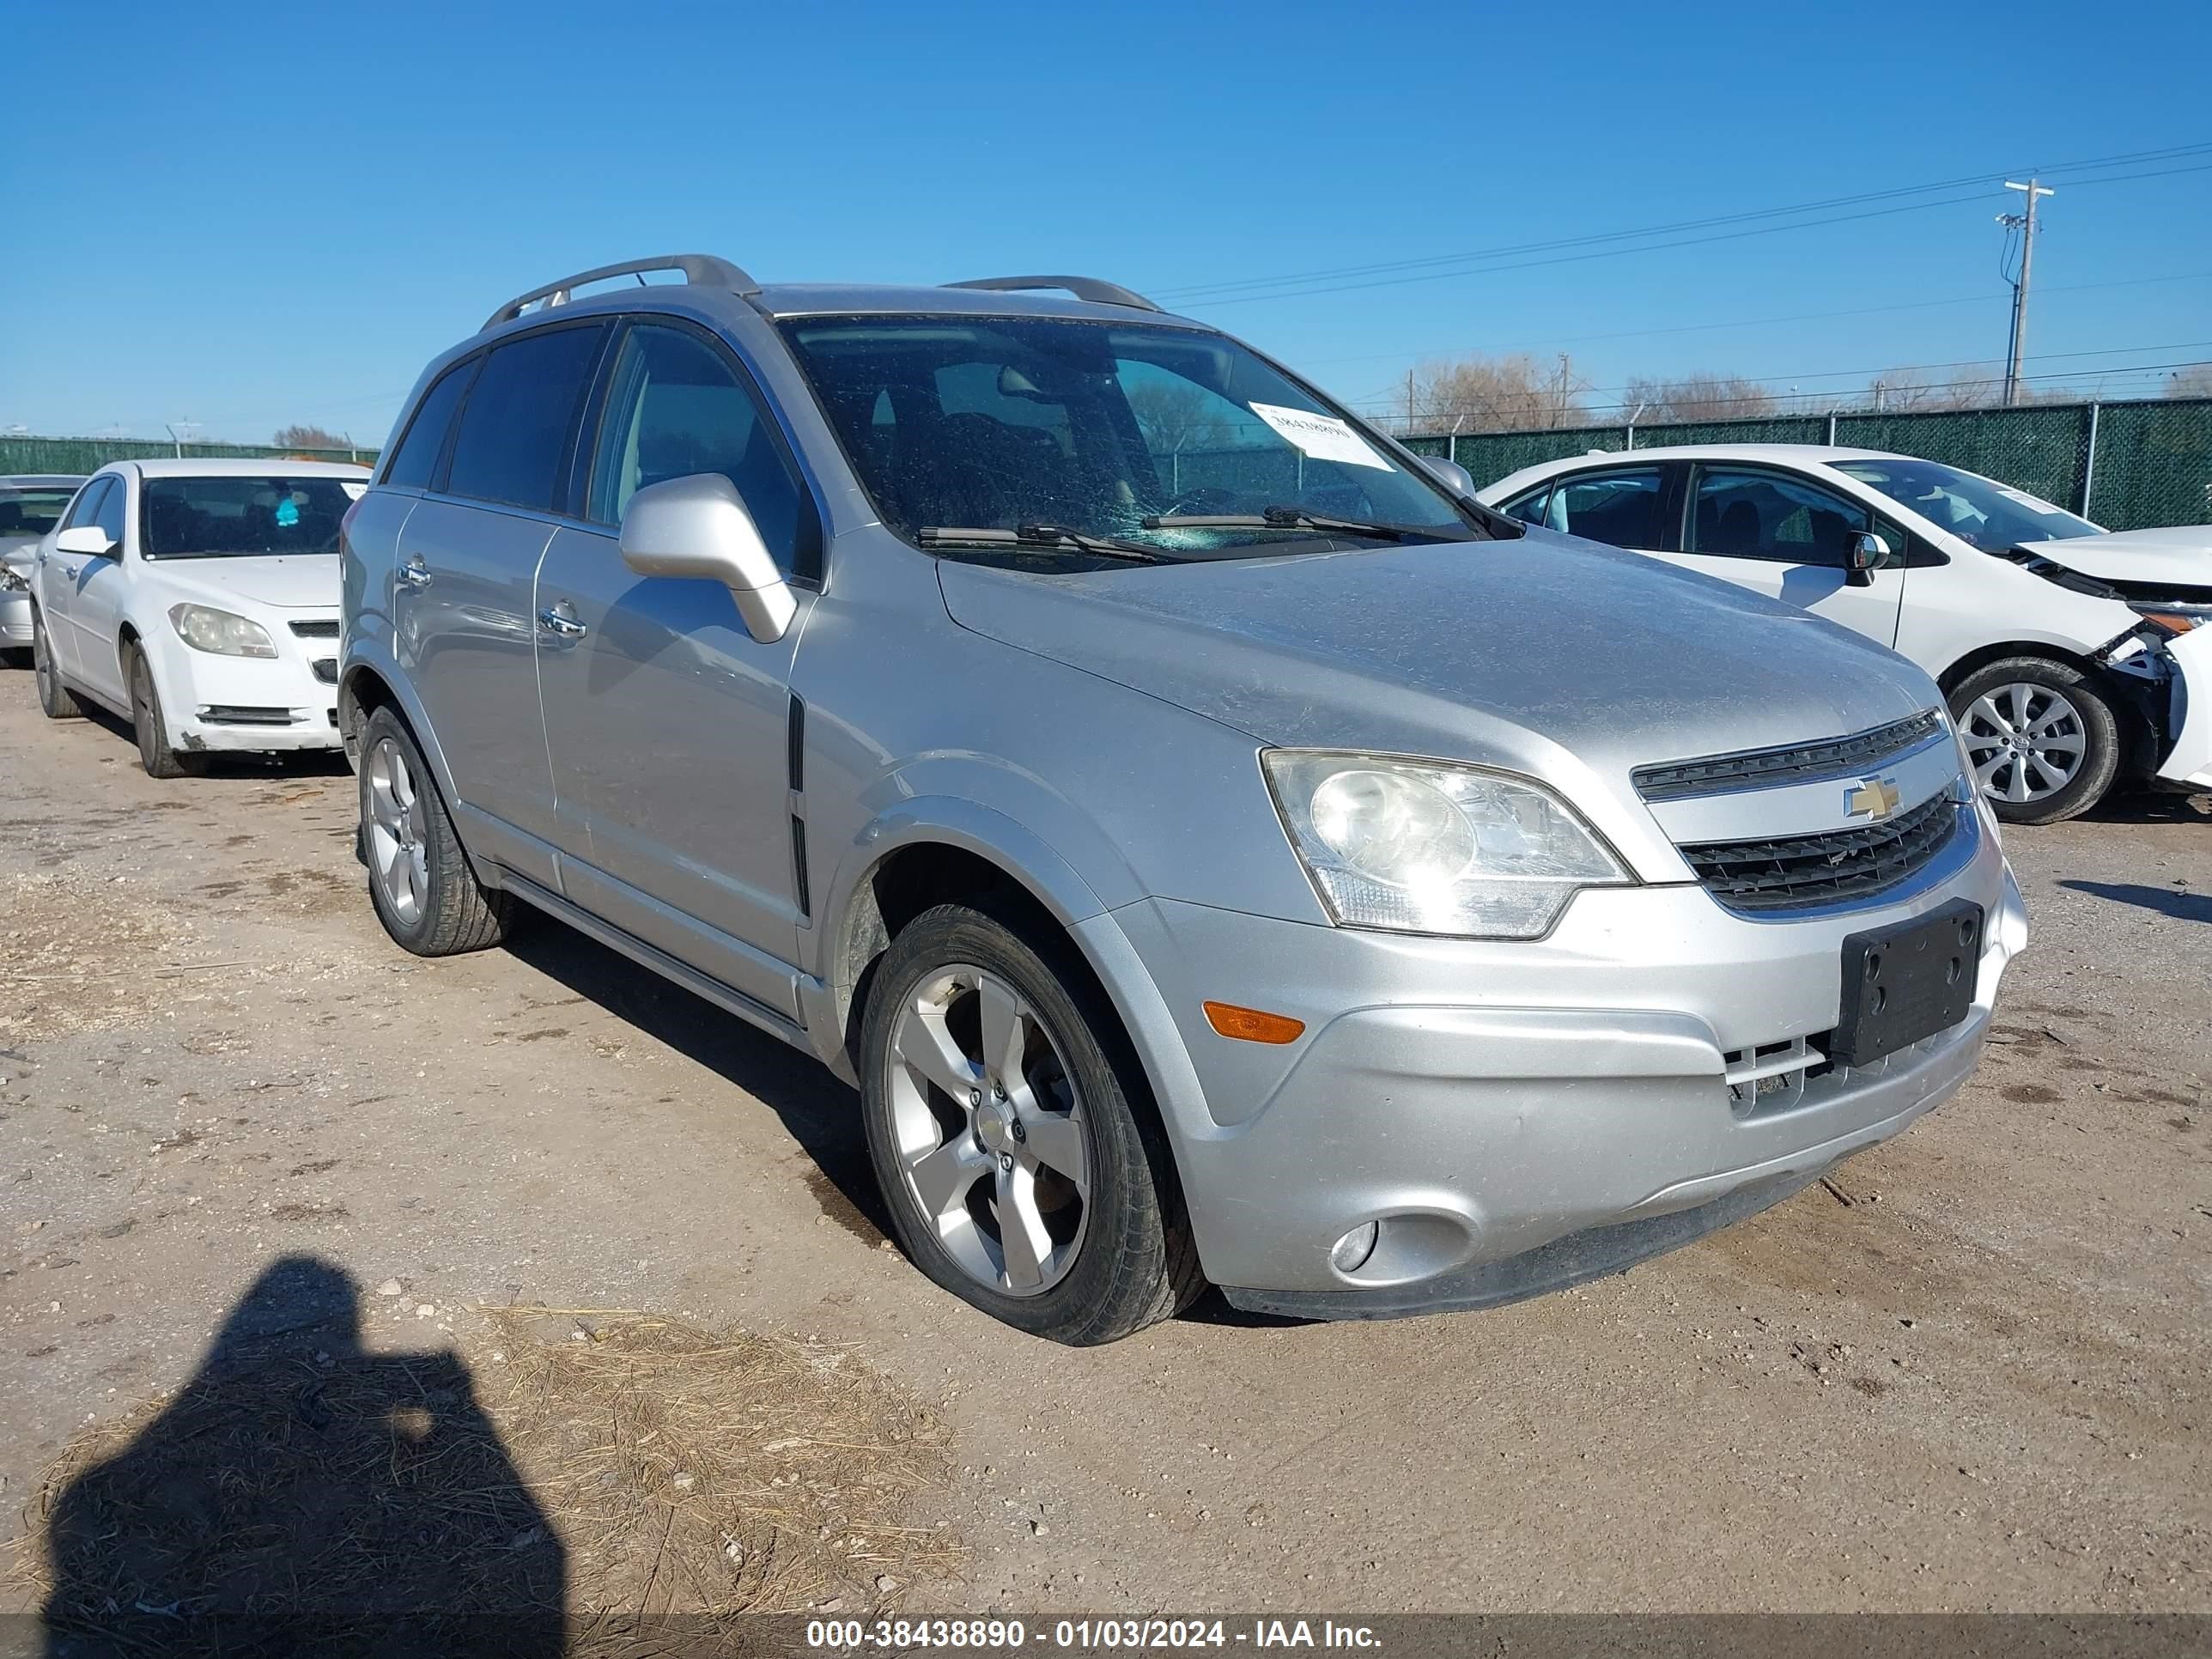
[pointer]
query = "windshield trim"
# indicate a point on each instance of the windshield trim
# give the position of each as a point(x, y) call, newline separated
point(1479, 521)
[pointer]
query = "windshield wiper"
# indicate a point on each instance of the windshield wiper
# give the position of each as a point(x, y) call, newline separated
point(1039, 536)
point(1294, 517)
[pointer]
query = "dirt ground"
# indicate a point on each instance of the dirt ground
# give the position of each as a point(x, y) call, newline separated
point(1976, 1374)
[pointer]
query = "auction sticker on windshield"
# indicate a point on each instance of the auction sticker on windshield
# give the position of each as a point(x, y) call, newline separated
point(1321, 436)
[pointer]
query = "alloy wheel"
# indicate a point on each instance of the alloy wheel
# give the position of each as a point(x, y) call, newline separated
point(992, 1139)
point(2025, 740)
point(398, 858)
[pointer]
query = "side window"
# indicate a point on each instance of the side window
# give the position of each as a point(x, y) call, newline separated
point(516, 422)
point(1620, 508)
point(416, 457)
point(1771, 515)
point(87, 505)
point(1528, 507)
point(109, 514)
point(675, 406)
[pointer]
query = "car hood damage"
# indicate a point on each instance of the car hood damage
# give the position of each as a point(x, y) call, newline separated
point(2174, 565)
point(1543, 654)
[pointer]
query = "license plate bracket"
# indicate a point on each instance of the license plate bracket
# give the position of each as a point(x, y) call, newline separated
point(1906, 982)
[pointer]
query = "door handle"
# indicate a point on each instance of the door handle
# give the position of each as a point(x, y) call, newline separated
point(566, 626)
point(415, 574)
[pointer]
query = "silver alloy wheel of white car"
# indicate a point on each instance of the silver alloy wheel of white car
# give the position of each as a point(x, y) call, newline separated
point(991, 1137)
point(398, 860)
point(2026, 741)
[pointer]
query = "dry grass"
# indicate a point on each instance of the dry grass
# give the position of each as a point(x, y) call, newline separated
point(586, 1473)
point(698, 1471)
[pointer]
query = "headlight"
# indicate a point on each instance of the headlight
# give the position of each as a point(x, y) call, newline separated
point(205, 629)
point(1427, 847)
point(12, 580)
point(2175, 618)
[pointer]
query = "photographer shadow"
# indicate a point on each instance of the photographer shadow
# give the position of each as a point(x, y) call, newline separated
point(301, 1494)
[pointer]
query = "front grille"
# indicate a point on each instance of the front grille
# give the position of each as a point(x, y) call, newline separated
point(327, 670)
point(1798, 872)
point(326, 629)
point(1762, 769)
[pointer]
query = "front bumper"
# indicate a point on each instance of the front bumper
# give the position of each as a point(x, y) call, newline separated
point(226, 705)
point(16, 620)
point(2187, 761)
point(1486, 1101)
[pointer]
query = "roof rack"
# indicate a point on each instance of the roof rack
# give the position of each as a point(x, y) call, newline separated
point(699, 270)
point(1083, 288)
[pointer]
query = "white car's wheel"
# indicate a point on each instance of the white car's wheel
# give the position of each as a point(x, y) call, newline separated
point(58, 701)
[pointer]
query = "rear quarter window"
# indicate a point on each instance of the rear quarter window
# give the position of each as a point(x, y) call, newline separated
point(519, 418)
point(416, 457)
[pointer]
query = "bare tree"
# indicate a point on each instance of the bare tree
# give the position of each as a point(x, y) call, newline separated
point(308, 437)
point(1511, 393)
point(1968, 385)
point(1174, 417)
point(2194, 382)
point(1702, 396)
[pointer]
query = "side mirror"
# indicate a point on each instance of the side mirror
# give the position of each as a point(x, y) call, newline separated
point(86, 538)
point(1867, 554)
point(1450, 474)
point(697, 527)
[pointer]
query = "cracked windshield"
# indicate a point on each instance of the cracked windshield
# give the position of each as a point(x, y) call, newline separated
point(1007, 436)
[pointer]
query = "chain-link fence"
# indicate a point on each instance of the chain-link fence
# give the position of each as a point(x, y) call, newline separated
point(2125, 465)
point(80, 455)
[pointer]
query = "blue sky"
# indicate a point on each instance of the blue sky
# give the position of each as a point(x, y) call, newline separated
point(251, 215)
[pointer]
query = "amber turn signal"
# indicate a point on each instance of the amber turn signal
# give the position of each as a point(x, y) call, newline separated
point(1250, 1025)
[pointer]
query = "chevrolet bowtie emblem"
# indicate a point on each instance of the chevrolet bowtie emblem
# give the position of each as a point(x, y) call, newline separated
point(1870, 797)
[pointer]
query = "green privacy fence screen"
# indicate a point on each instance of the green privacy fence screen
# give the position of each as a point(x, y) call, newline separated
point(2126, 465)
point(77, 455)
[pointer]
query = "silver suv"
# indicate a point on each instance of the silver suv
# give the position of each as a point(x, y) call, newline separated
point(1217, 847)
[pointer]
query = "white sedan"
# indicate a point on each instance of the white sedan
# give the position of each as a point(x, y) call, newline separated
point(199, 600)
point(2068, 654)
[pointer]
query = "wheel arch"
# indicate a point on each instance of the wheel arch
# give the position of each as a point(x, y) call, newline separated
point(1982, 656)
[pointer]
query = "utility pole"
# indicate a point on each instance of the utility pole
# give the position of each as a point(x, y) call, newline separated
point(2016, 361)
point(1409, 400)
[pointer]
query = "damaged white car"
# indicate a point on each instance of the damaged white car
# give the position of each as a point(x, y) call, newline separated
point(2072, 657)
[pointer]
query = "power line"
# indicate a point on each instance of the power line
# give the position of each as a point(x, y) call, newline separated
point(1747, 322)
point(1232, 294)
point(1195, 288)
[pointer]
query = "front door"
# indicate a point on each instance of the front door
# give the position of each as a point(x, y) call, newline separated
point(1782, 535)
point(665, 718)
point(96, 605)
point(57, 576)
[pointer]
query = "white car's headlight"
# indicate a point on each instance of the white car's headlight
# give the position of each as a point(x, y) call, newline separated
point(1427, 846)
point(221, 632)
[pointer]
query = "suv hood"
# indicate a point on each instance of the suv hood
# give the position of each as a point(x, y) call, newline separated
point(285, 581)
point(1545, 655)
point(2178, 557)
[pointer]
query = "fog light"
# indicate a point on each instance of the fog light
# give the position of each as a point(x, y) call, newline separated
point(1353, 1250)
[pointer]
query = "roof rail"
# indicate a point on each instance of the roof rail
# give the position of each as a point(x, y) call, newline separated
point(700, 269)
point(1083, 288)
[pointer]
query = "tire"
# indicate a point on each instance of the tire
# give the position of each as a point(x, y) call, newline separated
point(1122, 1254)
point(58, 701)
point(2043, 737)
point(154, 752)
point(420, 880)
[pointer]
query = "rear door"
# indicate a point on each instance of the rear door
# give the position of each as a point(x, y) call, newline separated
point(667, 720)
point(463, 625)
point(1779, 533)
